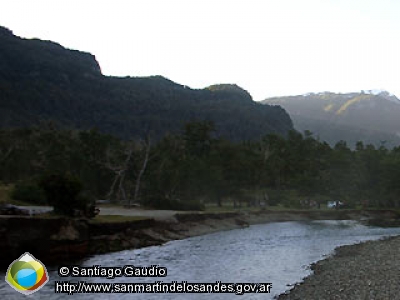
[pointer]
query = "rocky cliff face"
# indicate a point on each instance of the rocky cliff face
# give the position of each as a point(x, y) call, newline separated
point(33, 59)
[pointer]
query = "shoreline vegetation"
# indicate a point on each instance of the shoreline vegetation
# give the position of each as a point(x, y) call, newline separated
point(191, 170)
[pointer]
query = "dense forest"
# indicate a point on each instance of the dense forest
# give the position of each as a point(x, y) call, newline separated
point(185, 171)
point(42, 81)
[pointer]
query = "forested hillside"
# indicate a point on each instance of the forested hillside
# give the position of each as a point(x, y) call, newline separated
point(370, 116)
point(42, 81)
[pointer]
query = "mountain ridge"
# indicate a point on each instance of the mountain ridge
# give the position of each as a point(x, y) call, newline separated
point(366, 116)
point(42, 81)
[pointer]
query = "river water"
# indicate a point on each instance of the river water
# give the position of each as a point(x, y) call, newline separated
point(277, 253)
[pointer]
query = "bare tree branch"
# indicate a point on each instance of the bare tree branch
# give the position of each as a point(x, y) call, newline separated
point(119, 173)
point(142, 170)
point(4, 156)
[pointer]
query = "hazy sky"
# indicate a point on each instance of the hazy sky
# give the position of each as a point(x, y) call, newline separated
point(268, 47)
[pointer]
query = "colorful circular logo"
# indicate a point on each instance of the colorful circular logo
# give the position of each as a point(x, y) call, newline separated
point(27, 275)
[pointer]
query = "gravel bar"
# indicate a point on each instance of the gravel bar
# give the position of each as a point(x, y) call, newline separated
point(369, 270)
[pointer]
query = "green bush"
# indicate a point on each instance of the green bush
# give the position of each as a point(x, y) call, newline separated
point(62, 191)
point(28, 192)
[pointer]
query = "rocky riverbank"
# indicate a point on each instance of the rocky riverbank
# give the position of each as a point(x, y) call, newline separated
point(369, 270)
point(56, 240)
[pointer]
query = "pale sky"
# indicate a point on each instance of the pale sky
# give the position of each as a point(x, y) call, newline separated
point(268, 47)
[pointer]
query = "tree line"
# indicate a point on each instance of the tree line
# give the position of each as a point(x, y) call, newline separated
point(186, 171)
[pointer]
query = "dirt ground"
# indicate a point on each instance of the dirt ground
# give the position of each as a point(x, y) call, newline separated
point(160, 215)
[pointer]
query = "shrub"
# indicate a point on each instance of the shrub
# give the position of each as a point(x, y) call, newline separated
point(62, 191)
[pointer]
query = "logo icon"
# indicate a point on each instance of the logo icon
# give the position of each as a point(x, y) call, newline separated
point(27, 275)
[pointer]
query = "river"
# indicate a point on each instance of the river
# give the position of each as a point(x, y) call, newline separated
point(277, 253)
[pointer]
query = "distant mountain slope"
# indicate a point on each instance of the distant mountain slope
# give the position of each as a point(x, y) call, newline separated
point(41, 80)
point(372, 117)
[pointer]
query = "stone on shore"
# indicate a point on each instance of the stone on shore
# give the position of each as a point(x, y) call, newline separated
point(369, 270)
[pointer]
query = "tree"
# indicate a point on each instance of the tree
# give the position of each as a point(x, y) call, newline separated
point(62, 191)
point(198, 137)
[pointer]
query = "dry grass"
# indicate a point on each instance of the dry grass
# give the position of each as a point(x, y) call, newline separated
point(5, 191)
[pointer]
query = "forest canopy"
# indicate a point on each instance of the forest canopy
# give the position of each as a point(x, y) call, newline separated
point(184, 171)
